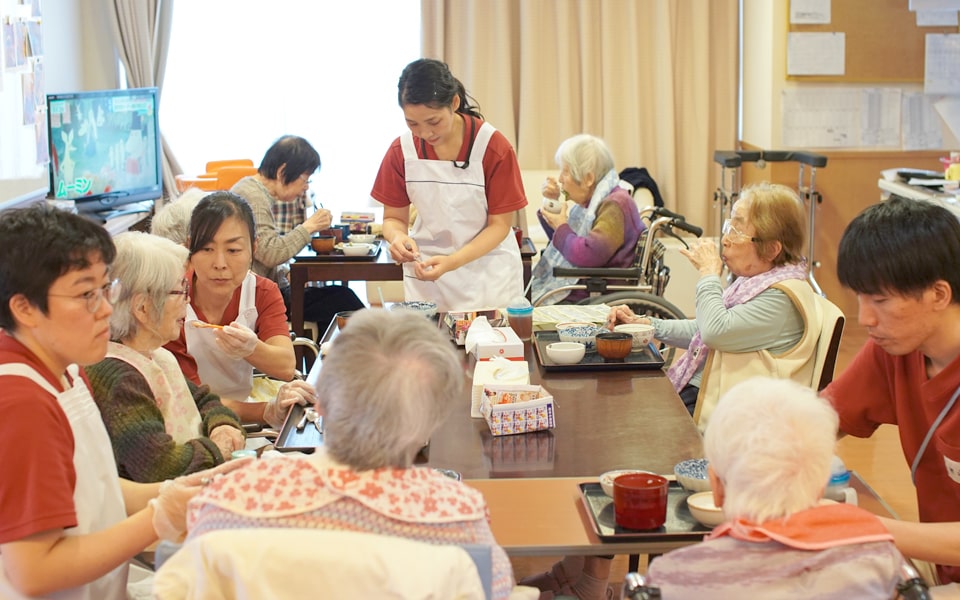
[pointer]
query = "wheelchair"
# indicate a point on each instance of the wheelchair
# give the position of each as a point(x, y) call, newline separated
point(639, 286)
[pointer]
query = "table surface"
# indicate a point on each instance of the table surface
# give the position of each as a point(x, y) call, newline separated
point(629, 419)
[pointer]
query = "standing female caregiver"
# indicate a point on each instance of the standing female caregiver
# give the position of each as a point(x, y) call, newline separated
point(462, 176)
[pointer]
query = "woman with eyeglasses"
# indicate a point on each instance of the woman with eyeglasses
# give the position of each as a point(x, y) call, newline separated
point(160, 424)
point(756, 326)
point(462, 177)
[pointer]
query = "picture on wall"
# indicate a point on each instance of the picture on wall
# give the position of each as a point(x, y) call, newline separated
point(29, 100)
point(35, 38)
point(9, 46)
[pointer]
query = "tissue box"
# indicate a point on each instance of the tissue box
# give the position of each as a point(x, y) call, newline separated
point(496, 372)
point(506, 345)
point(458, 322)
point(517, 408)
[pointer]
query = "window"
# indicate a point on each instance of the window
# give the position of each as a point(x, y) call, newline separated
point(326, 71)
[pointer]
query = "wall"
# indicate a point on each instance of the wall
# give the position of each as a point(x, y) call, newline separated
point(77, 56)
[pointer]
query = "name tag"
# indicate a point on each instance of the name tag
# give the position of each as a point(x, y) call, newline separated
point(953, 469)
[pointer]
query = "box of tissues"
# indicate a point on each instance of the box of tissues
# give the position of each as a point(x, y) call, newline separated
point(486, 341)
point(497, 371)
point(517, 409)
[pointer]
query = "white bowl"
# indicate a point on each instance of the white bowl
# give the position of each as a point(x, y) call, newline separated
point(424, 307)
point(642, 334)
point(552, 205)
point(704, 510)
point(566, 353)
point(351, 249)
point(362, 238)
point(692, 475)
point(606, 479)
point(585, 333)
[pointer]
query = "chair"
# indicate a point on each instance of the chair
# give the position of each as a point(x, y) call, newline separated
point(210, 181)
point(310, 563)
point(227, 176)
point(829, 343)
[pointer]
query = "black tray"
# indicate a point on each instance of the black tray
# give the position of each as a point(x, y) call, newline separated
point(290, 439)
point(308, 255)
point(639, 358)
point(679, 526)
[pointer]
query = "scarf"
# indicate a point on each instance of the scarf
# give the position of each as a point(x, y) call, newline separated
point(742, 290)
point(580, 220)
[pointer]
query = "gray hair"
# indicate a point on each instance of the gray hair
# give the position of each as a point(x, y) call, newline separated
point(146, 265)
point(770, 442)
point(173, 220)
point(390, 379)
point(585, 154)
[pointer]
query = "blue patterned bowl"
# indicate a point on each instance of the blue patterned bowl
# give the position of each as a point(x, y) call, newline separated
point(692, 475)
point(585, 333)
point(426, 308)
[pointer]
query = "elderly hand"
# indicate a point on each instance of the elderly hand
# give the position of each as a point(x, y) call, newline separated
point(170, 505)
point(321, 219)
point(550, 188)
point(294, 392)
point(704, 257)
point(236, 340)
point(227, 438)
point(622, 314)
point(555, 220)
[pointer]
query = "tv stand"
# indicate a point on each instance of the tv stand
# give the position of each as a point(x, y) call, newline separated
point(120, 220)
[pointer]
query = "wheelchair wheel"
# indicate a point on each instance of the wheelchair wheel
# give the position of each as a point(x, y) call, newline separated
point(649, 305)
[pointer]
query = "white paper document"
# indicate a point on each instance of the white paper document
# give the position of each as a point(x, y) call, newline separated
point(921, 126)
point(880, 117)
point(941, 74)
point(809, 12)
point(816, 53)
point(948, 108)
point(936, 18)
point(934, 5)
point(820, 117)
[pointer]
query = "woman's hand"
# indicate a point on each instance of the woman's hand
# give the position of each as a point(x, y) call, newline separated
point(227, 438)
point(555, 220)
point(236, 340)
point(403, 248)
point(319, 220)
point(432, 268)
point(550, 188)
point(293, 392)
point(704, 257)
point(622, 314)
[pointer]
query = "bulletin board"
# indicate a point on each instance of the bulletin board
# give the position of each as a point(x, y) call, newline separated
point(883, 42)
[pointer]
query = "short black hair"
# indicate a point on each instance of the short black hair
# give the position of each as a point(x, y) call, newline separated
point(38, 245)
point(429, 82)
point(293, 151)
point(901, 246)
point(210, 213)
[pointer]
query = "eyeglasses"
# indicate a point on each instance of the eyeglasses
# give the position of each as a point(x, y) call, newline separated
point(305, 179)
point(94, 298)
point(735, 234)
point(183, 291)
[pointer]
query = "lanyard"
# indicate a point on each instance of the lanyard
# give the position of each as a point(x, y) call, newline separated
point(473, 138)
point(926, 440)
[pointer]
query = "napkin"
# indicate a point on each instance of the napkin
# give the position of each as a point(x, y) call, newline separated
point(480, 331)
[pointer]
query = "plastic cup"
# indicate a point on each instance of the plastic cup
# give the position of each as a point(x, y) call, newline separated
point(640, 500)
point(520, 318)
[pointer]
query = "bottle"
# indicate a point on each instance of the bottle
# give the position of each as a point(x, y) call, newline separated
point(838, 486)
point(520, 317)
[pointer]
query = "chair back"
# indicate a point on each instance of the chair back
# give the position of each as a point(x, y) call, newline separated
point(227, 176)
point(829, 344)
point(215, 165)
point(311, 563)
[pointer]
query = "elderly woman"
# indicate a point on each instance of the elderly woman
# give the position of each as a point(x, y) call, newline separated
point(764, 323)
point(161, 425)
point(388, 382)
point(778, 542)
point(598, 228)
point(172, 221)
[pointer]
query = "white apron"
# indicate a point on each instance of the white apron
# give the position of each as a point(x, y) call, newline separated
point(97, 499)
point(451, 210)
point(227, 377)
point(181, 419)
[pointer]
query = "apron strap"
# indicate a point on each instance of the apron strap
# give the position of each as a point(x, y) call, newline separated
point(926, 439)
point(25, 370)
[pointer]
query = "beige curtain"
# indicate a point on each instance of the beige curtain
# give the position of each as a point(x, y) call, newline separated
point(141, 33)
point(657, 79)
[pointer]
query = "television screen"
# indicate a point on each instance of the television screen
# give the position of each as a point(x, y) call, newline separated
point(104, 148)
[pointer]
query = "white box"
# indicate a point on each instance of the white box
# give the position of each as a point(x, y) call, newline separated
point(506, 345)
point(496, 372)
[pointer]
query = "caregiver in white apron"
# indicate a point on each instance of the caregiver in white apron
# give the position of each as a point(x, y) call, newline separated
point(462, 177)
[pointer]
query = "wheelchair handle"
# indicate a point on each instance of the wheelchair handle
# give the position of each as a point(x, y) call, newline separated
point(696, 231)
point(677, 220)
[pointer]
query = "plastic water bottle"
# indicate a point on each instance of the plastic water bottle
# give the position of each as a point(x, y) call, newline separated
point(838, 486)
point(520, 317)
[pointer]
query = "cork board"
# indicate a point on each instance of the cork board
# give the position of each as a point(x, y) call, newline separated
point(884, 43)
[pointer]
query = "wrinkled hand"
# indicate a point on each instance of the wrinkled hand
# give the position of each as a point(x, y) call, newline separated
point(555, 220)
point(403, 248)
point(170, 505)
point(622, 314)
point(227, 438)
point(321, 219)
point(704, 257)
point(550, 188)
point(236, 340)
point(294, 392)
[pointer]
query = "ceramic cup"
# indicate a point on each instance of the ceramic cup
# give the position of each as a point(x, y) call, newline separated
point(640, 500)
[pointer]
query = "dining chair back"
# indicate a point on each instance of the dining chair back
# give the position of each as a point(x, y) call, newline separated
point(227, 176)
point(829, 344)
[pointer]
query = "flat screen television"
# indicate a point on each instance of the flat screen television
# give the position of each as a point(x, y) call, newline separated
point(104, 148)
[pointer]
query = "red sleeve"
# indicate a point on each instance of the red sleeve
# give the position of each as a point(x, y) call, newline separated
point(36, 489)
point(390, 186)
point(504, 187)
point(862, 394)
point(188, 364)
point(271, 312)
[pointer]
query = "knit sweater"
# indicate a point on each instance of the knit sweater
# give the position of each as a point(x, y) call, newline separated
point(143, 449)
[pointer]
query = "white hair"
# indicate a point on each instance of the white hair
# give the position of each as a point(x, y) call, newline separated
point(146, 265)
point(770, 442)
point(172, 221)
point(585, 154)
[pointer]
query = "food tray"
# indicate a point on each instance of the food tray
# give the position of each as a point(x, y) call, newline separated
point(302, 441)
point(679, 526)
point(645, 358)
point(308, 255)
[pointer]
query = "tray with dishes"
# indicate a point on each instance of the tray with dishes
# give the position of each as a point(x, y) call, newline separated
point(680, 524)
point(305, 439)
point(639, 358)
point(338, 254)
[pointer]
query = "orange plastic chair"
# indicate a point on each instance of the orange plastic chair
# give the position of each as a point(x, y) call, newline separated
point(215, 165)
point(234, 169)
point(227, 176)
